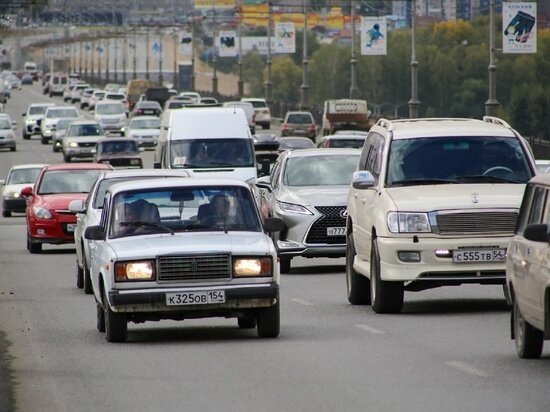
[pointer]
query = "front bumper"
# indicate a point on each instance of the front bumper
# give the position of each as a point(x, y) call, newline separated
point(7, 143)
point(14, 204)
point(435, 268)
point(238, 297)
point(312, 251)
point(79, 153)
point(53, 231)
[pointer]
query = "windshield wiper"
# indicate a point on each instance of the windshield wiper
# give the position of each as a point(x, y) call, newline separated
point(147, 224)
point(484, 178)
point(423, 181)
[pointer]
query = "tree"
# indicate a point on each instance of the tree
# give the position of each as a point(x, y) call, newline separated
point(253, 68)
point(286, 77)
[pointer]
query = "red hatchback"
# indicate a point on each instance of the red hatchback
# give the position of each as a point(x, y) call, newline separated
point(48, 217)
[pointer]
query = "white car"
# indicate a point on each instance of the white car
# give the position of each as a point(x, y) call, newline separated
point(68, 91)
point(263, 113)
point(7, 134)
point(97, 96)
point(85, 97)
point(193, 96)
point(183, 248)
point(33, 116)
point(76, 93)
point(528, 271)
point(111, 115)
point(51, 117)
point(248, 111)
point(19, 176)
point(88, 213)
point(144, 129)
point(434, 202)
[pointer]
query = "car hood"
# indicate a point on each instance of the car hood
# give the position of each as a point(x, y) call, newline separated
point(144, 132)
point(149, 246)
point(315, 195)
point(4, 133)
point(35, 117)
point(61, 201)
point(453, 196)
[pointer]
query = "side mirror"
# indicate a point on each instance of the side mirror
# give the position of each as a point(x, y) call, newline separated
point(274, 224)
point(77, 206)
point(156, 165)
point(26, 191)
point(94, 233)
point(362, 180)
point(264, 183)
point(536, 233)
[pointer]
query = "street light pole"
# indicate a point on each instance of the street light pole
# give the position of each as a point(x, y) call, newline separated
point(491, 105)
point(161, 76)
point(353, 90)
point(215, 56)
point(304, 87)
point(414, 103)
point(115, 39)
point(146, 55)
point(268, 83)
point(192, 79)
point(124, 63)
point(240, 83)
point(175, 81)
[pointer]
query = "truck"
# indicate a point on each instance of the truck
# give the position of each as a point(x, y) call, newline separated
point(345, 114)
point(135, 88)
point(157, 94)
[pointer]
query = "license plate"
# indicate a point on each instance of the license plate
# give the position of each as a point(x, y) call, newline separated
point(71, 227)
point(479, 255)
point(148, 111)
point(203, 297)
point(336, 231)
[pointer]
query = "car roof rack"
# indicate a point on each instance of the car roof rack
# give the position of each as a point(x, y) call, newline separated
point(496, 120)
point(385, 123)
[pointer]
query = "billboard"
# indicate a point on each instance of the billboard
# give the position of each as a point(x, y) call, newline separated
point(214, 4)
point(373, 36)
point(519, 31)
point(285, 38)
point(227, 44)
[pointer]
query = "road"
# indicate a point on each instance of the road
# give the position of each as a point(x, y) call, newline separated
point(449, 350)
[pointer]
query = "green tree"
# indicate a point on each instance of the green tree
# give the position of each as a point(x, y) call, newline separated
point(253, 69)
point(286, 77)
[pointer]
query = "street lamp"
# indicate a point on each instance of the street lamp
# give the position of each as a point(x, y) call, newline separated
point(304, 87)
point(353, 90)
point(491, 105)
point(214, 57)
point(414, 103)
point(240, 83)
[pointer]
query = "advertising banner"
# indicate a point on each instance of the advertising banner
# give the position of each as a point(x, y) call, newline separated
point(227, 44)
point(185, 47)
point(373, 36)
point(285, 38)
point(214, 4)
point(519, 31)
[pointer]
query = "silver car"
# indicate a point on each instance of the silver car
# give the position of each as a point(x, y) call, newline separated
point(145, 130)
point(308, 190)
point(81, 139)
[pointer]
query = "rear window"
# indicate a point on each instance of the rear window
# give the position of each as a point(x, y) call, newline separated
point(299, 118)
point(258, 104)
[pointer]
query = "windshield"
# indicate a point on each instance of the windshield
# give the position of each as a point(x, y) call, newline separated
point(186, 209)
point(145, 124)
point(457, 160)
point(57, 113)
point(63, 124)
point(295, 144)
point(212, 153)
point(323, 170)
point(110, 109)
point(20, 176)
point(37, 110)
point(118, 146)
point(258, 104)
point(114, 97)
point(351, 143)
point(299, 118)
point(67, 181)
point(85, 130)
point(4, 124)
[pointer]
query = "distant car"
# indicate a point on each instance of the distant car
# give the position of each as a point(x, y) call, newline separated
point(292, 143)
point(308, 190)
point(263, 113)
point(13, 82)
point(193, 96)
point(121, 97)
point(183, 248)
point(118, 152)
point(67, 93)
point(59, 134)
point(80, 139)
point(299, 124)
point(27, 79)
point(33, 117)
point(96, 96)
point(19, 176)
point(208, 100)
point(76, 93)
point(343, 140)
point(145, 130)
point(146, 107)
point(7, 135)
point(51, 117)
point(543, 166)
point(89, 212)
point(111, 115)
point(174, 104)
point(47, 216)
point(86, 96)
point(248, 111)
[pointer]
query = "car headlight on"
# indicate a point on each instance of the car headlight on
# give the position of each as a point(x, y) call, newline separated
point(132, 271)
point(30, 121)
point(135, 162)
point(293, 208)
point(41, 212)
point(408, 222)
point(252, 266)
point(12, 194)
point(47, 132)
point(72, 144)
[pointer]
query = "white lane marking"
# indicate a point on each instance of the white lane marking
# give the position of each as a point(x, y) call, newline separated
point(466, 367)
point(302, 302)
point(370, 329)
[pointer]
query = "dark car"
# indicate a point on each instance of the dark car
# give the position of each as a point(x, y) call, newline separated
point(118, 152)
point(146, 108)
point(27, 79)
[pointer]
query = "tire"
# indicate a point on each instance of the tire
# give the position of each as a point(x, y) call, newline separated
point(116, 325)
point(247, 322)
point(79, 276)
point(87, 284)
point(100, 324)
point(529, 340)
point(43, 140)
point(26, 136)
point(13, 149)
point(269, 323)
point(284, 264)
point(33, 247)
point(386, 297)
point(357, 285)
point(5, 213)
point(67, 159)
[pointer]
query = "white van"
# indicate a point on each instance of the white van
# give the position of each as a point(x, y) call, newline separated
point(209, 141)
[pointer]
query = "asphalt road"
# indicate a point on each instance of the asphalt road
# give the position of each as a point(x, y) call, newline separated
point(448, 351)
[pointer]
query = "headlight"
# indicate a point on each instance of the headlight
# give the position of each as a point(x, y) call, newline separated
point(30, 121)
point(292, 208)
point(131, 271)
point(41, 212)
point(245, 267)
point(73, 144)
point(135, 162)
point(408, 222)
point(47, 131)
point(12, 194)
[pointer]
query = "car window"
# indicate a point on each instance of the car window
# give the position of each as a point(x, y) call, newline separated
point(299, 118)
point(57, 113)
point(37, 110)
point(5, 124)
point(67, 181)
point(145, 124)
point(537, 205)
point(85, 130)
point(275, 173)
point(20, 176)
point(212, 153)
point(323, 170)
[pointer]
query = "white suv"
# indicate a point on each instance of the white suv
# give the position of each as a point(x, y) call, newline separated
point(434, 202)
point(263, 113)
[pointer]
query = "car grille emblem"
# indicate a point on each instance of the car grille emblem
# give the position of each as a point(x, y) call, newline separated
point(475, 197)
point(344, 213)
point(194, 266)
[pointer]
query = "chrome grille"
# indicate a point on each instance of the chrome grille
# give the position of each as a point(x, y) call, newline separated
point(331, 218)
point(476, 222)
point(189, 268)
point(86, 144)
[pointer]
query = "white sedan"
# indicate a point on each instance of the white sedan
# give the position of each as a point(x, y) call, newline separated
point(88, 213)
point(184, 248)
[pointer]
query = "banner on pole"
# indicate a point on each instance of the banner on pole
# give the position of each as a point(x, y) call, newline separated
point(227, 44)
point(285, 38)
point(373, 36)
point(156, 50)
point(519, 31)
point(185, 47)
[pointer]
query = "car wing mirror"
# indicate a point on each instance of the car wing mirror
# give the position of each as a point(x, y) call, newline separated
point(26, 191)
point(274, 224)
point(362, 179)
point(94, 233)
point(536, 232)
point(77, 206)
point(264, 183)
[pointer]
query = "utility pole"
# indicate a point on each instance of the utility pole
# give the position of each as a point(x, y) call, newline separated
point(176, 80)
point(240, 83)
point(124, 56)
point(146, 55)
point(107, 59)
point(414, 103)
point(268, 83)
point(115, 39)
point(161, 76)
point(353, 90)
point(304, 87)
point(215, 57)
point(491, 105)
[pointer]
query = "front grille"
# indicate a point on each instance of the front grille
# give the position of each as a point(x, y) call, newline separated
point(86, 145)
point(476, 222)
point(331, 218)
point(109, 121)
point(189, 268)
